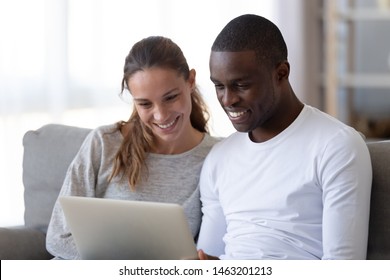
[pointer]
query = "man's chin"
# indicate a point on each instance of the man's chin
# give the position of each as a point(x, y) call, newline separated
point(241, 127)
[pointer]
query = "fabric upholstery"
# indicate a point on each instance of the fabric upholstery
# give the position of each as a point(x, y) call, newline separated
point(48, 152)
point(379, 230)
point(21, 243)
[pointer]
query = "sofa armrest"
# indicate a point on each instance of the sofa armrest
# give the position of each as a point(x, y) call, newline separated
point(22, 243)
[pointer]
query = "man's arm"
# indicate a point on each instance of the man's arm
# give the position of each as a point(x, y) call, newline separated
point(213, 227)
point(346, 177)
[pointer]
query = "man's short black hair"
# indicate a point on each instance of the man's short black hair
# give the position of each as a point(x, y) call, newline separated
point(252, 32)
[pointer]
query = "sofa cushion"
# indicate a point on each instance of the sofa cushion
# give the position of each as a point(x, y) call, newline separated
point(21, 243)
point(379, 230)
point(48, 152)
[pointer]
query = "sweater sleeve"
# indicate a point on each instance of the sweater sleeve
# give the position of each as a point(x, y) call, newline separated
point(80, 180)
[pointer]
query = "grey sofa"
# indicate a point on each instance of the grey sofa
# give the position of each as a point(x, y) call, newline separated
point(47, 153)
point(49, 150)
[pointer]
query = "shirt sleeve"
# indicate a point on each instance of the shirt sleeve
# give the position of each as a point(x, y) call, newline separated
point(79, 181)
point(346, 178)
point(213, 226)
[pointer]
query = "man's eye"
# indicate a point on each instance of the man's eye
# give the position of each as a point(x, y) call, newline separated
point(219, 87)
point(242, 86)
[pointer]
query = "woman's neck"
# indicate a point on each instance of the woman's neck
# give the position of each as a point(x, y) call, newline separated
point(183, 144)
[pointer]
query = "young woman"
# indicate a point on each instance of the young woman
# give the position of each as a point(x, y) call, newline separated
point(156, 155)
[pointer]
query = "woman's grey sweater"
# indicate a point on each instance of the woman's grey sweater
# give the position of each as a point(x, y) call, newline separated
point(171, 178)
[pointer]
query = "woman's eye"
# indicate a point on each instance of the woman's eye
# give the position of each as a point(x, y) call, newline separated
point(171, 97)
point(144, 104)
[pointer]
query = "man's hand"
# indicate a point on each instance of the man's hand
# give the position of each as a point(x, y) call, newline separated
point(203, 256)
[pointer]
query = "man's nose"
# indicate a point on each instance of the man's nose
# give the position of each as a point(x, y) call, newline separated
point(229, 98)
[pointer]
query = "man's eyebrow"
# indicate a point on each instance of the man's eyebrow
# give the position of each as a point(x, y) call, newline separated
point(234, 80)
point(214, 80)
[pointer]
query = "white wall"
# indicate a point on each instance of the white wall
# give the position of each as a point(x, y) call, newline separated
point(61, 61)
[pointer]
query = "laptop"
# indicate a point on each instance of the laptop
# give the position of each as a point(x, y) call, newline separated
point(108, 229)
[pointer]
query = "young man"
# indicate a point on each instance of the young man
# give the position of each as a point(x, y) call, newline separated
point(293, 182)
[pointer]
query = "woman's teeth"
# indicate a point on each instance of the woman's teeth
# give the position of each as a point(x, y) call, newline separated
point(164, 126)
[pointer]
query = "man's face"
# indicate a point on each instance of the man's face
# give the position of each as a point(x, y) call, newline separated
point(245, 88)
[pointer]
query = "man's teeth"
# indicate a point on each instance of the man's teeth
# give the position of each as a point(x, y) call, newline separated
point(163, 126)
point(236, 114)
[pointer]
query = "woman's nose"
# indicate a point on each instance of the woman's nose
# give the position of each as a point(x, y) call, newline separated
point(160, 114)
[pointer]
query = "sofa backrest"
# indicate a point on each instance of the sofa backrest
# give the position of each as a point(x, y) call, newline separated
point(379, 230)
point(48, 152)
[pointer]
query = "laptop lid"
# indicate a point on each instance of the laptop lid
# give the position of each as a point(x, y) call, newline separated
point(121, 229)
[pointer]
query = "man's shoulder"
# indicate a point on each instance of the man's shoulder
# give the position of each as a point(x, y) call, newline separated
point(324, 123)
point(228, 143)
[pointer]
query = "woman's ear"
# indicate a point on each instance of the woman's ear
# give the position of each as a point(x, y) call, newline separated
point(192, 79)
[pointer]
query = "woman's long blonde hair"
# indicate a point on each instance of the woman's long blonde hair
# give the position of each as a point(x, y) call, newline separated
point(161, 52)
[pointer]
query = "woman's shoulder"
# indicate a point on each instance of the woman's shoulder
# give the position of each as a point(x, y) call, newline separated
point(210, 140)
point(103, 130)
point(103, 135)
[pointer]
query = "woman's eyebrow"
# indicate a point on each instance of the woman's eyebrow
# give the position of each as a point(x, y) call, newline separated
point(170, 91)
point(165, 94)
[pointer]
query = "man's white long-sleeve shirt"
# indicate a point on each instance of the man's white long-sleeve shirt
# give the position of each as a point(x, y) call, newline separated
point(303, 194)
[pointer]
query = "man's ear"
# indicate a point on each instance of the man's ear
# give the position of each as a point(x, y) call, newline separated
point(283, 70)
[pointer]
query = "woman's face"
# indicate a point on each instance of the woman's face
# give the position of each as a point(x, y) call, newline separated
point(162, 99)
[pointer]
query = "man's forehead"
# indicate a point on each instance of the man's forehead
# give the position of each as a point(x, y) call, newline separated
point(229, 66)
point(244, 53)
point(243, 59)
